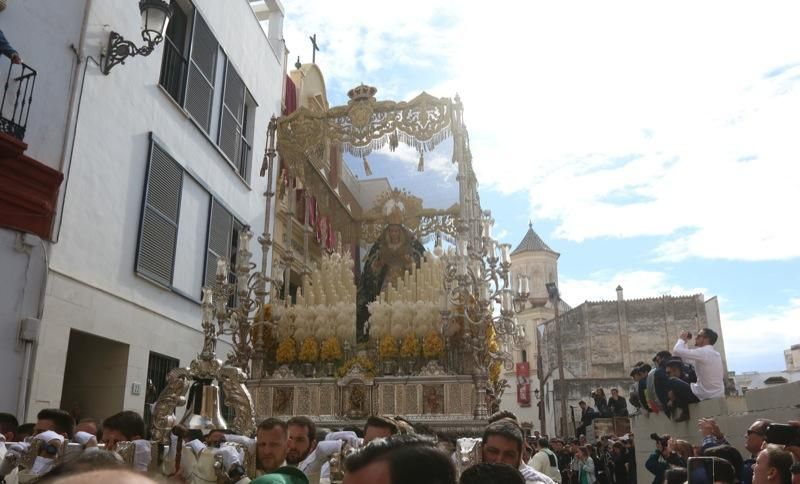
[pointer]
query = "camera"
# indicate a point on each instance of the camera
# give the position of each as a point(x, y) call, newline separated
point(782, 434)
point(689, 335)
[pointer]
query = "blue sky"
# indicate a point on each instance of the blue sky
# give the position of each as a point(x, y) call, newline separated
point(653, 146)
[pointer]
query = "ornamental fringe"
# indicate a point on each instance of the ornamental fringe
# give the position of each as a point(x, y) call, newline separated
point(360, 151)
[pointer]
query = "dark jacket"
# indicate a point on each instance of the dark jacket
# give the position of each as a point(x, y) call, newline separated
point(5, 47)
point(619, 407)
point(657, 464)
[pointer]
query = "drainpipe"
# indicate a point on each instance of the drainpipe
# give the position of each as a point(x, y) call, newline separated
point(72, 108)
point(28, 334)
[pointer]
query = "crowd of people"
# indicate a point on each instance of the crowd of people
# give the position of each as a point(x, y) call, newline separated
point(386, 450)
point(679, 378)
point(717, 461)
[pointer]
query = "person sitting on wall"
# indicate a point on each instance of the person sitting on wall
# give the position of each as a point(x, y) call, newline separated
point(617, 404)
point(708, 366)
point(587, 415)
point(601, 403)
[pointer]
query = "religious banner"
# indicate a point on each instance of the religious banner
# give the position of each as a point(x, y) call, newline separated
point(523, 384)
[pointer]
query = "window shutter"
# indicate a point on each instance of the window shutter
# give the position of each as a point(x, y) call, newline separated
point(220, 226)
point(158, 231)
point(232, 115)
point(202, 64)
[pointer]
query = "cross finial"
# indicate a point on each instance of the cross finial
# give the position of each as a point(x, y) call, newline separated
point(314, 48)
point(530, 224)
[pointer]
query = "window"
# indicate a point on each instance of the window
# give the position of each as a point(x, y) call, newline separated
point(237, 104)
point(223, 238)
point(176, 50)
point(179, 211)
point(197, 74)
point(158, 366)
point(158, 228)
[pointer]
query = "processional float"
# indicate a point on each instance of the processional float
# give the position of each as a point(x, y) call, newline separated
point(441, 323)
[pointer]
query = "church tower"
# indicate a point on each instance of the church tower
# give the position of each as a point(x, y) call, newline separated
point(536, 260)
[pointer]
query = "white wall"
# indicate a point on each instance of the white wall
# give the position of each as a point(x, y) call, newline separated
point(22, 275)
point(92, 284)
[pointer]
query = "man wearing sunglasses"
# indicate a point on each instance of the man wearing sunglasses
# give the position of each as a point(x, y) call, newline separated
point(753, 441)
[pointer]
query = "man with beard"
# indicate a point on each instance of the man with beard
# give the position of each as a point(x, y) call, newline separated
point(301, 439)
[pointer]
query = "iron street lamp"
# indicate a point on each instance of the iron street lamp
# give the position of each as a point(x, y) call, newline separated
point(155, 18)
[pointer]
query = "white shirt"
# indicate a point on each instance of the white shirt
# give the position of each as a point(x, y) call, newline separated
point(531, 475)
point(541, 463)
point(708, 366)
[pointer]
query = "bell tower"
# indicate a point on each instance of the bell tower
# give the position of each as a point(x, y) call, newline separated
point(534, 259)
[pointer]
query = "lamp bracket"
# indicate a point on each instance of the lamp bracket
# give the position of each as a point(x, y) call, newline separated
point(120, 49)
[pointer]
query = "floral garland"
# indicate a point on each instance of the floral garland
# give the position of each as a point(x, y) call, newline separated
point(433, 346)
point(309, 351)
point(410, 347)
point(287, 351)
point(387, 348)
point(330, 350)
point(363, 361)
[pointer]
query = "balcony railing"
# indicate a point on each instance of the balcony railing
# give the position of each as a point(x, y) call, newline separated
point(17, 98)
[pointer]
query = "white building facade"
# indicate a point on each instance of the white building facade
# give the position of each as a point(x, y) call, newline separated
point(161, 161)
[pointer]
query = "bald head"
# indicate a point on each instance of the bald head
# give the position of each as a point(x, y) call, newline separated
point(106, 475)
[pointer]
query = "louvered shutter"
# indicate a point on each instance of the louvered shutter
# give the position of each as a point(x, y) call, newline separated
point(232, 116)
point(202, 66)
point(220, 226)
point(158, 231)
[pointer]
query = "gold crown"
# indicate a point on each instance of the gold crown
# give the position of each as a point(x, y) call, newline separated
point(362, 92)
point(396, 216)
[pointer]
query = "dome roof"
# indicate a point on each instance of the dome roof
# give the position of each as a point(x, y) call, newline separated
point(533, 243)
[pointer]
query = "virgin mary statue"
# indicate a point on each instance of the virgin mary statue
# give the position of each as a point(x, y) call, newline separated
point(395, 252)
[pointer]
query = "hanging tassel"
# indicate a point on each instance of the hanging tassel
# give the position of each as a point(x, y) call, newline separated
point(421, 166)
point(367, 169)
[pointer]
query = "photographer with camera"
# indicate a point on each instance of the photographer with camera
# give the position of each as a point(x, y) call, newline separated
point(708, 366)
point(662, 458)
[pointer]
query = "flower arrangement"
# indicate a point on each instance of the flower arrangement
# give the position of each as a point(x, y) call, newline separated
point(287, 351)
point(363, 361)
point(330, 350)
point(387, 348)
point(410, 347)
point(309, 351)
point(433, 346)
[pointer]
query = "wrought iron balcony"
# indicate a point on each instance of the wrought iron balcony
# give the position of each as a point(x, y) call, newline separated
point(17, 98)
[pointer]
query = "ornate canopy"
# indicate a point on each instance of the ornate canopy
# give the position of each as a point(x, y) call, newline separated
point(365, 124)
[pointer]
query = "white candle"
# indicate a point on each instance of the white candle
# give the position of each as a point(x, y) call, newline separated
point(487, 227)
point(222, 267)
point(505, 257)
point(506, 300)
point(484, 292)
point(491, 248)
point(462, 246)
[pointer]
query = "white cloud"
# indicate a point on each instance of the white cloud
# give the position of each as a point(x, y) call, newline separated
point(620, 120)
point(756, 342)
point(602, 286)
